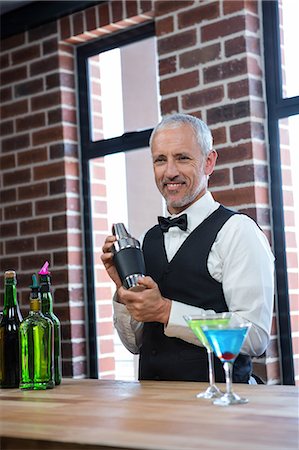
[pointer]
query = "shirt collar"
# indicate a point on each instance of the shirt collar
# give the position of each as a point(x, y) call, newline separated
point(199, 210)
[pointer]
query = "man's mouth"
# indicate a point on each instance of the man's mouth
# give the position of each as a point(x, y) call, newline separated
point(173, 186)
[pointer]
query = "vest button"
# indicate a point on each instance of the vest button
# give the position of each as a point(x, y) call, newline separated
point(154, 352)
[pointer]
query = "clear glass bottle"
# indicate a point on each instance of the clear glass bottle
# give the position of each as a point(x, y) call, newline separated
point(36, 346)
point(47, 310)
point(9, 334)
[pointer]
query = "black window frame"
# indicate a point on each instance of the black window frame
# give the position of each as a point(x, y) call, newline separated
point(278, 108)
point(94, 149)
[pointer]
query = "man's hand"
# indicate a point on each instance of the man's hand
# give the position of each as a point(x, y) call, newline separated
point(146, 305)
point(107, 259)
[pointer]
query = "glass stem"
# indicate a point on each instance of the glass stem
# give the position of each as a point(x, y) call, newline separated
point(228, 368)
point(211, 368)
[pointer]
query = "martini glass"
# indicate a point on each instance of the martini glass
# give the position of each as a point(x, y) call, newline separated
point(195, 323)
point(226, 340)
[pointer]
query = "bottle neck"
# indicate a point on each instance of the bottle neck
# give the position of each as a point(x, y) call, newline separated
point(47, 302)
point(10, 294)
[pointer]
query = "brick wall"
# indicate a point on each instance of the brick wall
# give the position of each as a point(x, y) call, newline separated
point(210, 65)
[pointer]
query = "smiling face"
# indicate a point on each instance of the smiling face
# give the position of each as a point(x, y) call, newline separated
point(181, 171)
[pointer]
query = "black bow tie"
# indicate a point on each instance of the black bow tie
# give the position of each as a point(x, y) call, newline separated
point(166, 223)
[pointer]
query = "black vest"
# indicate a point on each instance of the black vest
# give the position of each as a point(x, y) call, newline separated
point(185, 279)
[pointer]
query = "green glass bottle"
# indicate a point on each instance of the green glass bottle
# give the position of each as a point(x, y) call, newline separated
point(47, 310)
point(9, 334)
point(36, 346)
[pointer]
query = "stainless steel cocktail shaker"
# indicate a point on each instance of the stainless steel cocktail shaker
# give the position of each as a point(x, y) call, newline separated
point(128, 256)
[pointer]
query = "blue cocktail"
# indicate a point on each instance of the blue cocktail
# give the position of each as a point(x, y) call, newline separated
point(226, 341)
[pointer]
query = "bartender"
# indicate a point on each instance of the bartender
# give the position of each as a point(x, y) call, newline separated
point(202, 257)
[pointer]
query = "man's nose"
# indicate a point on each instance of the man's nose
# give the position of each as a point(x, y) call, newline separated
point(171, 169)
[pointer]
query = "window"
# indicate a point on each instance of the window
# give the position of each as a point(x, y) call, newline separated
point(280, 31)
point(118, 109)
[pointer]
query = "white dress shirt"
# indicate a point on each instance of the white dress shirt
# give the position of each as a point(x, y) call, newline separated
point(240, 259)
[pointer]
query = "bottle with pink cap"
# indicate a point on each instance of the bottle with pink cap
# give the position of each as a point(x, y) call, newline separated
point(47, 310)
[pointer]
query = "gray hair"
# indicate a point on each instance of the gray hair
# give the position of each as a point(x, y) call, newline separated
point(200, 128)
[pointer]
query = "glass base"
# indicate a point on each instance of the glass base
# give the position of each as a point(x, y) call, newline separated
point(230, 399)
point(211, 392)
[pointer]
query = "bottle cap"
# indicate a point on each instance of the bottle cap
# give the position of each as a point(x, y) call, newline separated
point(10, 274)
point(44, 270)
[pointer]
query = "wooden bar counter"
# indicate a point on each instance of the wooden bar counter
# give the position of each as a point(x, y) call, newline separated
point(110, 415)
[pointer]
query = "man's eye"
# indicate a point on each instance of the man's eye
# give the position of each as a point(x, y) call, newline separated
point(160, 159)
point(182, 157)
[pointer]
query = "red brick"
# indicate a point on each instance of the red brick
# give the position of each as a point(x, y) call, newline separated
point(9, 263)
point(69, 115)
point(50, 46)
point(234, 197)
point(34, 226)
point(29, 88)
point(23, 245)
point(254, 67)
point(253, 45)
point(219, 135)
point(194, 16)
point(241, 152)
point(45, 101)
point(15, 143)
point(200, 56)
point(50, 242)
point(6, 128)
point(66, 62)
point(25, 54)
point(13, 41)
point(179, 82)
point(13, 75)
point(59, 222)
point(32, 191)
point(60, 258)
point(14, 109)
point(78, 24)
point(146, 6)
point(30, 122)
point(8, 195)
point(117, 10)
point(103, 14)
point(238, 89)
point(165, 7)
point(177, 42)
point(75, 258)
point(20, 176)
point(228, 112)
point(6, 94)
point(169, 106)
point(7, 162)
point(76, 276)
point(44, 65)
point(106, 345)
point(203, 97)
point(57, 186)
point(43, 31)
point(228, 69)
point(249, 173)
point(219, 177)
point(75, 239)
point(73, 204)
point(74, 222)
point(18, 211)
point(90, 18)
point(235, 46)
point(8, 229)
point(167, 65)
point(222, 28)
point(164, 26)
point(65, 27)
point(47, 135)
point(76, 294)
point(32, 156)
point(50, 206)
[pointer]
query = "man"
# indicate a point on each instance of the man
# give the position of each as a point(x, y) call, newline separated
point(219, 261)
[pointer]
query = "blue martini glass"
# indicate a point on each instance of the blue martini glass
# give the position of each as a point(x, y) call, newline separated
point(226, 341)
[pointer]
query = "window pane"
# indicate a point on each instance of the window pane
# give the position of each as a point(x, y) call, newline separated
point(122, 190)
point(289, 37)
point(289, 146)
point(123, 90)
